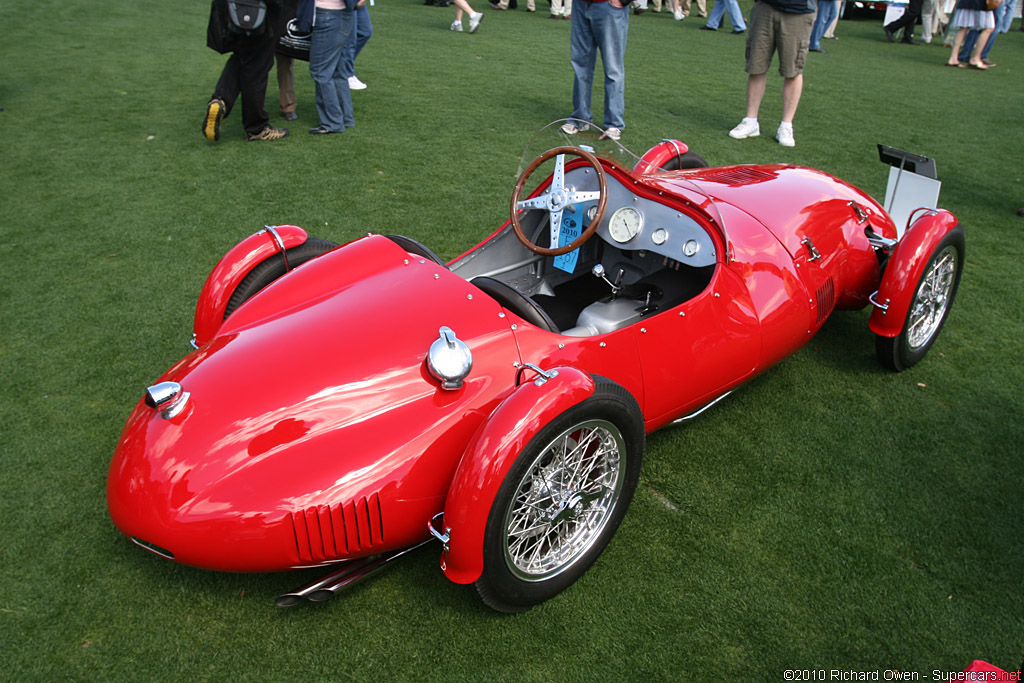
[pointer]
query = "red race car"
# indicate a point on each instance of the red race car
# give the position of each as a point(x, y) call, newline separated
point(346, 404)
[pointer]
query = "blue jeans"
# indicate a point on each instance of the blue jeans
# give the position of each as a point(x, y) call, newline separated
point(599, 26)
point(360, 36)
point(826, 13)
point(331, 32)
point(735, 15)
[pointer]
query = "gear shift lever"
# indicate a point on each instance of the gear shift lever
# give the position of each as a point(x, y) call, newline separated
point(599, 272)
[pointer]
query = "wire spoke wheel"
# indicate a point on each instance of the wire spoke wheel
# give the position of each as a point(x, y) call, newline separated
point(565, 500)
point(932, 299)
point(562, 500)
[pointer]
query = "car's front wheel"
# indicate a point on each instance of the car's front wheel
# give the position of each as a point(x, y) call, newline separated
point(933, 297)
point(562, 500)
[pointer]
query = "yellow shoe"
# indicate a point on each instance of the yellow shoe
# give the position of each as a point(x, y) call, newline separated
point(211, 124)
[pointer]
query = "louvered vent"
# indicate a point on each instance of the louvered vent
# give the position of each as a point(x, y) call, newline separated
point(328, 532)
point(826, 299)
point(739, 175)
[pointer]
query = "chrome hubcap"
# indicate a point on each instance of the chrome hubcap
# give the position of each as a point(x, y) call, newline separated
point(932, 299)
point(565, 500)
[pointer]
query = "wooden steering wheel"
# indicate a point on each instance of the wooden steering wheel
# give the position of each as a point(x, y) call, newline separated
point(557, 197)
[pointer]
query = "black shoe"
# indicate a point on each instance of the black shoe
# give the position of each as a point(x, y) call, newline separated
point(290, 116)
point(737, 31)
point(705, 27)
point(889, 34)
point(320, 130)
point(911, 42)
point(818, 49)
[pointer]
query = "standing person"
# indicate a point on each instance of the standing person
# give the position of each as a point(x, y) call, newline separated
point(1003, 16)
point(245, 73)
point(598, 25)
point(783, 26)
point(361, 35)
point(906, 22)
point(971, 14)
point(474, 17)
point(333, 25)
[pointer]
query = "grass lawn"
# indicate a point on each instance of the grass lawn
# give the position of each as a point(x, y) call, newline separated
point(829, 515)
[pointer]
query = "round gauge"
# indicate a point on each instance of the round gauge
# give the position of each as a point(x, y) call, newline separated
point(660, 236)
point(591, 212)
point(691, 247)
point(625, 224)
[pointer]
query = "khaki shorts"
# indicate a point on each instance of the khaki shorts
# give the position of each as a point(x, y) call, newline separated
point(772, 30)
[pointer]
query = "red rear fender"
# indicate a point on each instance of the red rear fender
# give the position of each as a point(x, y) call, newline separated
point(232, 269)
point(659, 155)
point(902, 273)
point(490, 455)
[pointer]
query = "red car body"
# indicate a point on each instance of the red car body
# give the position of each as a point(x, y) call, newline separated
point(309, 428)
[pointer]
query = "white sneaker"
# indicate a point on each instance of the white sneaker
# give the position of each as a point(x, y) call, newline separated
point(748, 128)
point(573, 127)
point(678, 15)
point(355, 84)
point(456, 26)
point(612, 133)
point(785, 136)
point(474, 21)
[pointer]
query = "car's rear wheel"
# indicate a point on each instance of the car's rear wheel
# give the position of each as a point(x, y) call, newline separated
point(684, 161)
point(933, 297)
point(274, 267)
point(562, 500)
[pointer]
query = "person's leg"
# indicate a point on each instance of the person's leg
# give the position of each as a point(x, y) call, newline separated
point(228, 87)
point(958, 40)
point(756, 84)
point(978, 47)
point(582, 56)
point(324, 56)
point(347, 30)
point(611, 28)
point(255, 62)
point(736, 15)
point(968, 47)
point(791, 91)
point(286, 83)
point(717, 12)
point(821, 23)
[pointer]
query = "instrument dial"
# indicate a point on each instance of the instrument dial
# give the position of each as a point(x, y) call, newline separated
point(625, 224)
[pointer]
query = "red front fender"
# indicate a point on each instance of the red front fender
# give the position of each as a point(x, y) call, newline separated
point(232, 269)
point(906, 264)
point(490, 455)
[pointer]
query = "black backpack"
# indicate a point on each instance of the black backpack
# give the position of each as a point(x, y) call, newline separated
point(247, 17)
point(233, 21)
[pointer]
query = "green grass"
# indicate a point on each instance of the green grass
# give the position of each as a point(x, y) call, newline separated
point(828, 515)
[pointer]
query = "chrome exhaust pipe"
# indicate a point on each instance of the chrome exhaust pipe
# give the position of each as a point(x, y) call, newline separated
point(349, 573)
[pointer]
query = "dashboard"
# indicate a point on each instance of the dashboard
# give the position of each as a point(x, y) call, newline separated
point(632, 223)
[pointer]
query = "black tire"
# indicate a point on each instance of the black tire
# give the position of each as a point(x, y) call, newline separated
point(272, 268)
point(933, 297)
point(544, 531)
point(684, 161)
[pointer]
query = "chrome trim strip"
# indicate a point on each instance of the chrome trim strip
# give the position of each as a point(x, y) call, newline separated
point(272, 229)
point(700, 410)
